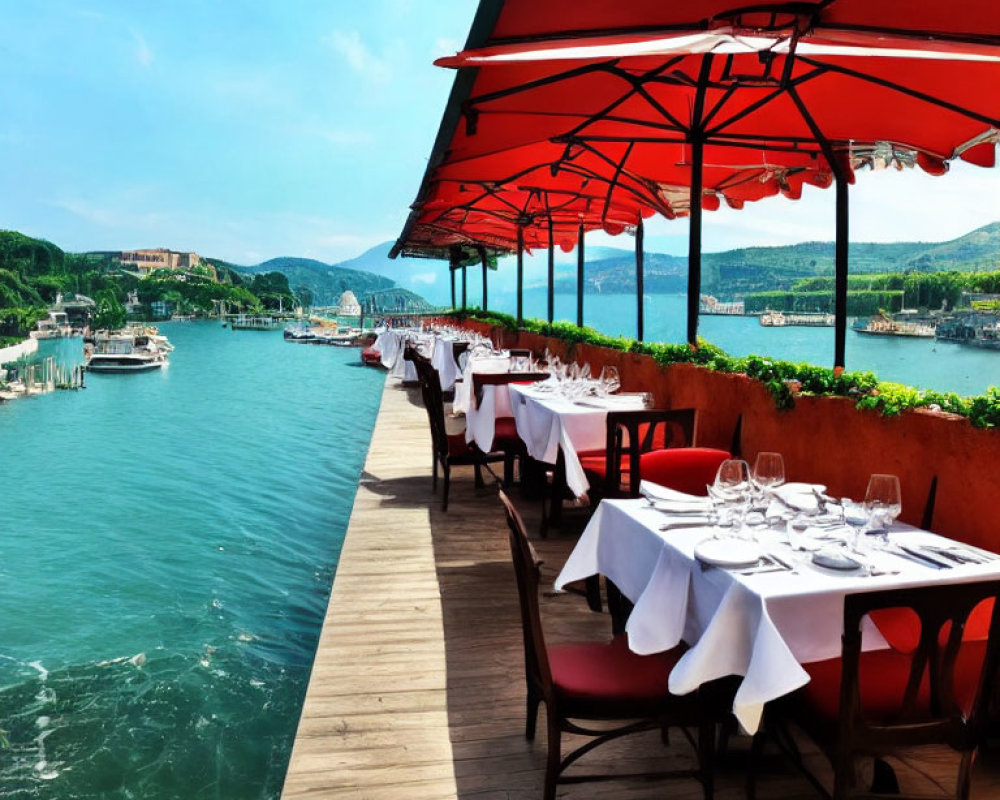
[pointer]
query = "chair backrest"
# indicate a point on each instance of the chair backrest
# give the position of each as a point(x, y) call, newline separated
point(526, 570)
point(430, 391)
point(641, 431)
point(483, 379)
point(950, 683)
point(685, 469)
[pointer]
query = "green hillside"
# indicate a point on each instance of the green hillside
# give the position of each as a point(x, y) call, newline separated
point(327, 282)
point(754, 269)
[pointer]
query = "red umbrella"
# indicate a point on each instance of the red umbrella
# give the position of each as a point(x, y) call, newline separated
point(650, 104)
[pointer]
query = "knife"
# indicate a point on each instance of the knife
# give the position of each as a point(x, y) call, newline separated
point(687, 523)
point(920, 557)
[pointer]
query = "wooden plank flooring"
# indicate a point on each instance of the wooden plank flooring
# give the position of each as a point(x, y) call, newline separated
point(417, 690)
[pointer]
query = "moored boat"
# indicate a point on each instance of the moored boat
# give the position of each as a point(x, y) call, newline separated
point(129, 350)
point(883, 325)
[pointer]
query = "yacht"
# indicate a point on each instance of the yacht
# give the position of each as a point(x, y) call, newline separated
point(131, 350)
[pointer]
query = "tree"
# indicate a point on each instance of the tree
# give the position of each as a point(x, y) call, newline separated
point(111, 313)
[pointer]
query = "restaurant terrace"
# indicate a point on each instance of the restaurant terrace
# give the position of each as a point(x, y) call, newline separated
point(579, 566)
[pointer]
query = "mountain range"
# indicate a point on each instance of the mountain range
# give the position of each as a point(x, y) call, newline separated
point(611, 270)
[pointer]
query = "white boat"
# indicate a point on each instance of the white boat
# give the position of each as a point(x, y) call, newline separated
point(884, 325)
point(55, 327)
point(131, 350)
point(777, 319)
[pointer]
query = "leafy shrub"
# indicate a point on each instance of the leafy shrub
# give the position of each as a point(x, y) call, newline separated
point(784, 379)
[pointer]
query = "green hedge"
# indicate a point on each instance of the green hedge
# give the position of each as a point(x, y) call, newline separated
point(782, 378)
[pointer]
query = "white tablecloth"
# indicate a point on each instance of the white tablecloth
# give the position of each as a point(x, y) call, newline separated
point(443, 360)
point(760, 626)
point(484, 364)
point(548, 422)
point(391, 344)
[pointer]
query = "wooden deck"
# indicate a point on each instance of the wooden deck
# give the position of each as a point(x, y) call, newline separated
point(417, 690)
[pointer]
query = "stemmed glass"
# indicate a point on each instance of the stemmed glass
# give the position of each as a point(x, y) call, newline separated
point(768, 470)
point(883, 502)
point(731, 489)
point(883, 498)
point(609, 380)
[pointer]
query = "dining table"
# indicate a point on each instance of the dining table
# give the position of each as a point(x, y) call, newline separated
point(557, 426)
point(744, 600)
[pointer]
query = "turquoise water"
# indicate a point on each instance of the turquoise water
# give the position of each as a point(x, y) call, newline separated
point(167, 543)
point(924, 363)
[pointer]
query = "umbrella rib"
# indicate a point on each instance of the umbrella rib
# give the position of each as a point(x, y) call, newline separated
point(499, 94)
point(755, 106)
point(937, 101)
point(635, 84)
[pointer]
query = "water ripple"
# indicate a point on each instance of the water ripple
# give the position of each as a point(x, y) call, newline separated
point(167, 544)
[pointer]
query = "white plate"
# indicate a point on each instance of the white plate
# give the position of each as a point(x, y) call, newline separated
point(727, 552)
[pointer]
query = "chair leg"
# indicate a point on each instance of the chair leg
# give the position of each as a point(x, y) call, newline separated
point(532, 718)
point(478, 470)
point(619, 607)
point(706, 755)
point(434, 473)
point(508, 469)
point(554, 757)
point(592, 589)
point(756, 751)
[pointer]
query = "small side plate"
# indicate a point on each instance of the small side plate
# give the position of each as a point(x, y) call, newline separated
point(832, 559)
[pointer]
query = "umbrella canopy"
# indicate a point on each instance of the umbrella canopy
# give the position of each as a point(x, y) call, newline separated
point(599, 113)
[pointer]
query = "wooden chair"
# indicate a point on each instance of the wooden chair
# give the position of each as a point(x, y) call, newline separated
point(879, 703)
point(596, 682)
point(448, 450)
point(628, 435)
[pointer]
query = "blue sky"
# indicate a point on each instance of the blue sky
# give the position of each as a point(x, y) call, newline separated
point(261, 128)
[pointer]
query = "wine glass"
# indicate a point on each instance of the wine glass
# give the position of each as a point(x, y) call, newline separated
point(882, 500)
point(732, 485)
point(609, 380)
point(769, 470)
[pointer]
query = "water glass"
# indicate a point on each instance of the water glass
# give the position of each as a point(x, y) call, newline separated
point(883, 499)
point(609, 380)
point(769, 470)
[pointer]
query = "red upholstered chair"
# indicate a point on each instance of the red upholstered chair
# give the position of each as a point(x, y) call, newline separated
point(686, 469)
point(595, 682)
point(448, 450)
point(629, 435)
point(936, 690)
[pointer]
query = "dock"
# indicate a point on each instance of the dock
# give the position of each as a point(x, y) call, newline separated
point(417, 690)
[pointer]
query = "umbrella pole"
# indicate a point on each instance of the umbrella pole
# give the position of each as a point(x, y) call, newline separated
point(552, 274)
point(579, 276)
point(463, 288)
point(451, 271)
point(520, 275)
point(694, 243)
point(482, 256)
point(840, 274)
point(639, 278)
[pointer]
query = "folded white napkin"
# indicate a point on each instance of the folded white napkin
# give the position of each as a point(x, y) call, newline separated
point(656, 493)
point(799, 496)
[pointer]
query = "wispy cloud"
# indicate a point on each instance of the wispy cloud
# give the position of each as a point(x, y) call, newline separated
point(445, 46)
point(143, 52)
point(108, 216)
point(341, 137)
point(349, 46)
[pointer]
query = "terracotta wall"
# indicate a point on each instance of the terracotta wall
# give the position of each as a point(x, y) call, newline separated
point(823, 439)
